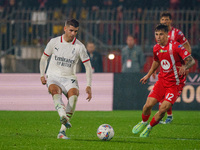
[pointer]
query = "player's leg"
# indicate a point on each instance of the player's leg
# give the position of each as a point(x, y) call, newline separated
point(145, 115)
point(157, 117)
point(70, 108)
point(72, 100)
point(56, 93)
point(71, 90)
point(169, 118)
point(161, 121)
point(171, 95)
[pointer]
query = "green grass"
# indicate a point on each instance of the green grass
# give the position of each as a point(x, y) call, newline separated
point(38, 131)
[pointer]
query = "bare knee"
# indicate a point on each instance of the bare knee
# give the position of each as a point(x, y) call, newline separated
point(54, 89)
point(148, 105)
point(164, 107)
point(72, 92)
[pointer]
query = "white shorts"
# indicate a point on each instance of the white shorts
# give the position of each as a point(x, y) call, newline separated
point(64, 83)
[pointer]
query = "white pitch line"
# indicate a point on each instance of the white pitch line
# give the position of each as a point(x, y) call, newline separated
point(133, 137)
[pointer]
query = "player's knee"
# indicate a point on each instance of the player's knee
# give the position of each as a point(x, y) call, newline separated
point(163, 110)
point(148, 106)
point(54, 92)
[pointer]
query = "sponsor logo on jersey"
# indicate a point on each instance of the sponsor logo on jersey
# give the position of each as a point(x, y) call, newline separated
point(165, 64)
point(64, 61)
point(162, 51)
point(180, 33)
point(180, 46)
point(56, 48)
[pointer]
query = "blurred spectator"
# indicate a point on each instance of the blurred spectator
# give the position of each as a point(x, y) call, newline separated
point(42, 3)
point(95, 58)
point(132, 56)
point(174, 4)
point(196, 55)
point(10, 5)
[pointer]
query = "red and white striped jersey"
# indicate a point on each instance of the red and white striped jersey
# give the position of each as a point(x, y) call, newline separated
point(177, 35)
point(65, 56)
point(170, 58)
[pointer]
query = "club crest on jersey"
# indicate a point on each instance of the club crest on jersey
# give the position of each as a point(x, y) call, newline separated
point(162, 51)
point(165, 64)
point(73, 50)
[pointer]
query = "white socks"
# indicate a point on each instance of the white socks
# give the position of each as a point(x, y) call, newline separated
point(71, 105)
point(59, 105)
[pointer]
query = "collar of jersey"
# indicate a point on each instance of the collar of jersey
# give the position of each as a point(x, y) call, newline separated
point(63, 41)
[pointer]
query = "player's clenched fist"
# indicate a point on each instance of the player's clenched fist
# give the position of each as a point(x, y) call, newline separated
point(43, 80)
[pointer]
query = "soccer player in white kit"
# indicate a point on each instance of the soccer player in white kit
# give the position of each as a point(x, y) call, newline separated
point(65, 52)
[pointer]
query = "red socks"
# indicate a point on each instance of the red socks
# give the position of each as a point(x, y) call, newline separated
point(145, 117)
point(153, 122)
point(169, 112)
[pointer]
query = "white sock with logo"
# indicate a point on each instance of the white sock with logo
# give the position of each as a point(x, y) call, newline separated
point(59, 105)
point(71, 105)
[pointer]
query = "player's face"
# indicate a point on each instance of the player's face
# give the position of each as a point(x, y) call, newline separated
point(161, 37)
point(90, 47)
point(166, 21)
point(130, 41)
point(70, 32)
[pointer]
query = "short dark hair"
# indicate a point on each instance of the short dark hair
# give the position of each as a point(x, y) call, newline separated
point(72, 22)
point(130, 35)
point(90, 42)
point(166, 14)
point(161, 27)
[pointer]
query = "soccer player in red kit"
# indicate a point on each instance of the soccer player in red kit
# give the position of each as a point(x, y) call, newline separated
point(176, 35)
point(168, 54)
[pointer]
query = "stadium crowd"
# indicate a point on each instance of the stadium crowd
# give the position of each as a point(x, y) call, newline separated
point(82, 10)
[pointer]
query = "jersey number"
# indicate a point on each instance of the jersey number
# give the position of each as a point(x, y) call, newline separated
point(169, 96)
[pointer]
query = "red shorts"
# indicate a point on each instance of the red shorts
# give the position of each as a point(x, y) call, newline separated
point(169, 94)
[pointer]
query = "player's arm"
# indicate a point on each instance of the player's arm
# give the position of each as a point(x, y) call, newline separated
point(189, 62)
point(43, 65)
point(153, 68)
point(88, 69)
point(187, 46)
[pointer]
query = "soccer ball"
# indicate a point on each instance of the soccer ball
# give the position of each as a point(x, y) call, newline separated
point(105, 132)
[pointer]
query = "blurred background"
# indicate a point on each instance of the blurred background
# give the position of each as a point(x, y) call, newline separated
point(27, 25)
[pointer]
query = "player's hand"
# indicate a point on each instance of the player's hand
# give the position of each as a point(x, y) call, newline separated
point(43, 80)
point(182, 70)
point(144, 79)
point(186, 72)
point(89, 92)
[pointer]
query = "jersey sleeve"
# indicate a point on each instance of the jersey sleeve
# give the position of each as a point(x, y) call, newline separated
point(155, 52)
point(183, 53)
point(83, 54)
point(180, 37)
point(49, 48)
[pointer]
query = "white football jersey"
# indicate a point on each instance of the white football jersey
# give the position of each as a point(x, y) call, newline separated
point(65, 56)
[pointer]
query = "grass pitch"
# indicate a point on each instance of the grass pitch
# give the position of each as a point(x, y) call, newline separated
point(38, 131)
